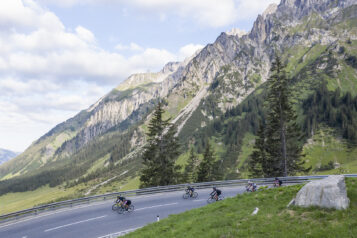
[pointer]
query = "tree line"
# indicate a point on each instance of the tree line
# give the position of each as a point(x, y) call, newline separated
point(333, 109)
point(161, 152)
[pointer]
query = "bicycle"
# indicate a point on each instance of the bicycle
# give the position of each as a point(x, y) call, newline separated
point(212, 199)
point(116, 206)
point(122, 209)
point(188, 195)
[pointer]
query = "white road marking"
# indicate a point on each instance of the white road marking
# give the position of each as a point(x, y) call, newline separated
point(169, 204)
point(74, 223)
point(119, 233)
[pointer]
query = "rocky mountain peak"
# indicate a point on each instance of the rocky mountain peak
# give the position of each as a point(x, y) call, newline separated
point(292, 12)
point(236, 32)
point(270, 9)
point(171, 67)
point(297, 9)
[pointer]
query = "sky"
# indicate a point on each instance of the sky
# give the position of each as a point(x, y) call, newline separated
point(58, 57)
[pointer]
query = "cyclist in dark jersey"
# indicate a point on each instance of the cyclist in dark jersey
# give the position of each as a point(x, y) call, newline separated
point(126, 204)
point(120, 199)
point(278, 182)
point(215, 193)
point(190, 190)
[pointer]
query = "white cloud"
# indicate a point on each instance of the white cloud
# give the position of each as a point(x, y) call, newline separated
point(212, 13)
point(85, 34)
point(26, 14)
point(59, 53)
point(132, 46)
point(189, 50)
point(249, 9)
point(49, 72)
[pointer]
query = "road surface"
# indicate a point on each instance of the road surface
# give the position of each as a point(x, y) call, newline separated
point(98, 220)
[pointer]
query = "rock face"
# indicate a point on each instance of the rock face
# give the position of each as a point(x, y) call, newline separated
point(328, 193)
point(216, 78)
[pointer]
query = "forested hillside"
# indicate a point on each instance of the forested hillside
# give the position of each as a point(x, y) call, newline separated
point(217, 97)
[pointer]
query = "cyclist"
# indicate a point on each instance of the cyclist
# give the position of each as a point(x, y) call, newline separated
point(126, 203)
point(120, 200)
point(277, 182)
point(251, 187)
point(190, 190)
point(216, 193)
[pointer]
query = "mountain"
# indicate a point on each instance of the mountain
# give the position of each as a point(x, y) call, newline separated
point(217, 94)
point(6, 155)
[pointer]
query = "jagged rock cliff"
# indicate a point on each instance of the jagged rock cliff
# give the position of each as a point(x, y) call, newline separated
point(227, 70)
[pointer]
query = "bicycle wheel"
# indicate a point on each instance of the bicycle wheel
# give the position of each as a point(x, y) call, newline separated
point(121, 210)
point(131, 208)
point(211, 200)
point(185, 196)
point(115, 207)
point(194, 194)
point(221, 197)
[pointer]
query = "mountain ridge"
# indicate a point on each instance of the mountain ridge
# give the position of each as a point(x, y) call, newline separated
point(199, 90)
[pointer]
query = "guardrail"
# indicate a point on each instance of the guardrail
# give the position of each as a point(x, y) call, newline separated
point(159, 189)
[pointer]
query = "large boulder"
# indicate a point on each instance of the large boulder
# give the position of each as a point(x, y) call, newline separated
point(328, 193)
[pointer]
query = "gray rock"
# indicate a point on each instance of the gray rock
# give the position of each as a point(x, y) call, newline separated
point(328, 193)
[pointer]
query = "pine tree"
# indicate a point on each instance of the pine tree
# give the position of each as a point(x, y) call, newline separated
point(277, 150)
point(205, 170)
point(190, 173)
point(283, 151)
point(160, 152)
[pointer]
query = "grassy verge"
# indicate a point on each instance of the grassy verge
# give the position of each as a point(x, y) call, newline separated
point(232, 218)
point(12, 202)
point(324, 147)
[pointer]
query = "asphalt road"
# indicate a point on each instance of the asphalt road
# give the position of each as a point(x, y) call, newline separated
point(97, 219)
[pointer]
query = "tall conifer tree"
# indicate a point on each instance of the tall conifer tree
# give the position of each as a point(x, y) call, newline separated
point(160, 152)
point(278, 150)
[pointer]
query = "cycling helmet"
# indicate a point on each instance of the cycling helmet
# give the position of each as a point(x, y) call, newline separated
point(214, 188)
